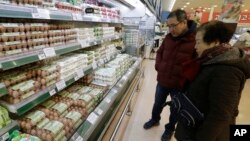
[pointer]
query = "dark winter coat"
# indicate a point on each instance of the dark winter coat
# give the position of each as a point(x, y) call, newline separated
point(171, 54)
point(216, 92)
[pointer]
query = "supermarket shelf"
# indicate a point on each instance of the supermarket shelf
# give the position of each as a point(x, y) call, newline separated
point(18, 60)
point(105, 109)
point(6, 131)
point(14, 11)
point(30, 57)
point(23, 107)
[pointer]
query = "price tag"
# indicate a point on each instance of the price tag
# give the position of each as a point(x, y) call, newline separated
point(84, 44)
point(41, 56)
point(52, 92)
point(43, 13)
point(36, 15)
point(79, 73)
point(5, 136)
point(94, 65)
point(49, 52)
point(99, 111)
point(60, 85)
point(92, 118)
point(79, 138)
point(107, 100)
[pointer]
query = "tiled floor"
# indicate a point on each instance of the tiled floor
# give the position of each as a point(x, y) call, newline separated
point(143, 106)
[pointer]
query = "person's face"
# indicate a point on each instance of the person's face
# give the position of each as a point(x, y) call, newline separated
point(176, 28)
point(200, 45)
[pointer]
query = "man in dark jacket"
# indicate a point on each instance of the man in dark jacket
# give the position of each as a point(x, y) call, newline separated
point(177, 47)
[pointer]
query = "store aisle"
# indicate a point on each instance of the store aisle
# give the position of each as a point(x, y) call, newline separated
point(142, 109)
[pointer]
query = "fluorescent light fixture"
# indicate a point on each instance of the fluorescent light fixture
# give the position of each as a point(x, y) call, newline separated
point(188, 3)
point(130, 3)
point(171, 5)
point(184, 6)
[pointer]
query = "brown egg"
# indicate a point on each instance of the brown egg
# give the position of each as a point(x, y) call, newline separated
point(11, 38)
point(49, 137)
point(43, 81)
point(33, 132)
point(46, 27)
point(44, 87)
point(37, 84)
point(28, 35)
point(16, 29)
point(12, 47)
point(4, 38)
point(7, 83)
point(16, 100)
point(10, 91)
point(9, 29)
point(27, 26)
point(2, 29)
point(21, 28)
point(30, 2)
point(17, 38)
point(39, 132)
point(24, 45)
point(37, 28)
point(15, 94)
point(22, 37)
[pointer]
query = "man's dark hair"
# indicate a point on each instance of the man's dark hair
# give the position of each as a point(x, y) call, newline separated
point(215, 31)
point(180, 15)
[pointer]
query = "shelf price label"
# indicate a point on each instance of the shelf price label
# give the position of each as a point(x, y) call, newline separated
point(52, 92)
point(60, 85)
point(43, 13)
point(49, 52)
point(36, 15)
point(99, 111)
point(107, 100)
point(92, 118)
point(79, 138)
point(84, 44)
point(41, 56)
point(78, 74)
point(5, 136)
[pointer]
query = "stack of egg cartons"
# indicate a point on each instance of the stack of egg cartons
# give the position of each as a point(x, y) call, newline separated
point(108, 32)
point(105, 76)
point(70, 63)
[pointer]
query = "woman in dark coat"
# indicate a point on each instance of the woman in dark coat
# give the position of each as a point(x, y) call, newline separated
point(217, 79)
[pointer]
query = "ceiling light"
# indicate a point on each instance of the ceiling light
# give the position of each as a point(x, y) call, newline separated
point(246, 10)
point(200, 7)
point(208, 8)
point(215, 5)
point(188, 3)
point(204, 10)
point(243, 5)
point(192, 8)
point(184, 6)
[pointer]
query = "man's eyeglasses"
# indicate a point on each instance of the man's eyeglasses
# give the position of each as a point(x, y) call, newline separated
point(173, 25)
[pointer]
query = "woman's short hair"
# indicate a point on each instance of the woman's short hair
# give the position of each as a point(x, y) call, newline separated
point(215, 31)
